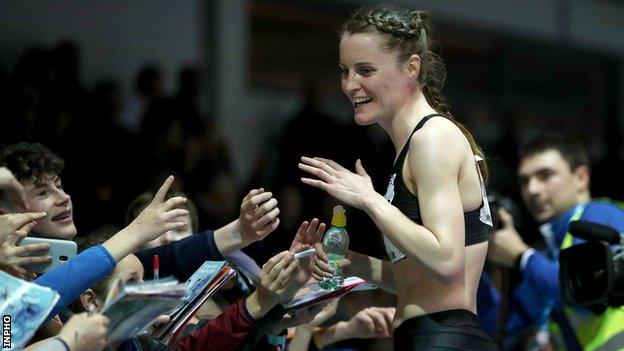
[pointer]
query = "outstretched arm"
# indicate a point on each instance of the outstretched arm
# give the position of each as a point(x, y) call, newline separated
point(257, 219)
point(96, 262)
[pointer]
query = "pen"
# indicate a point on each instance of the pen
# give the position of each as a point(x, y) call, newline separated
point(304, 254)
point(156, 267)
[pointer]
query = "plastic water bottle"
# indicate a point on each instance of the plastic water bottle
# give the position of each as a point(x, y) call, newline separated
point(335, 244)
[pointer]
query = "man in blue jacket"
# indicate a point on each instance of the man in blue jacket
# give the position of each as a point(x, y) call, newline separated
point(554, 179)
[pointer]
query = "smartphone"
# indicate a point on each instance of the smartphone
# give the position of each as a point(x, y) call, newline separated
point(60, 250)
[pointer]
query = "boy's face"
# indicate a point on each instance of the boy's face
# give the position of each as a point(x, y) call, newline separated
point(50, 197)
point(128, 270)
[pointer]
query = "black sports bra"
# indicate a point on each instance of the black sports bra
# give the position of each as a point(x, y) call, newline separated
point(478, 223)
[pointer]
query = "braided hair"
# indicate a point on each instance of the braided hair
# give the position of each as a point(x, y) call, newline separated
point(408, 32)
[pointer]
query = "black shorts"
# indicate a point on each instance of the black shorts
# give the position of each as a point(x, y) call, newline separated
point(445, 330)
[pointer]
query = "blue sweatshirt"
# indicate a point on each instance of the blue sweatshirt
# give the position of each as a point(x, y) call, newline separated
point(73, 277)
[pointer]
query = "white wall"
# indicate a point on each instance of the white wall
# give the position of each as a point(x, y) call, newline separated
point(115, 37)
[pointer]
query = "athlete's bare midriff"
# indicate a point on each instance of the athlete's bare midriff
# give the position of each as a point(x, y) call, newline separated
point(419, 292)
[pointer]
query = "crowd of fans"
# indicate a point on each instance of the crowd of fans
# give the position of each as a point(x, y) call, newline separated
point(111, 155)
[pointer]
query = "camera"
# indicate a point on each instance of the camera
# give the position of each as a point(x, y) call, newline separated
point(496, 201)
point(592, 273)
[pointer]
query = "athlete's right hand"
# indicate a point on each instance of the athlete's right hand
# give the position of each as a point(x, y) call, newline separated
point(353, 189)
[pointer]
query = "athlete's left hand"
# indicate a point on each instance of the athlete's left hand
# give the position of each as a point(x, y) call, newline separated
point(354, 189)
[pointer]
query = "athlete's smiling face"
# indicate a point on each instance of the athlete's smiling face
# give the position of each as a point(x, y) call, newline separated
point(373, 79)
